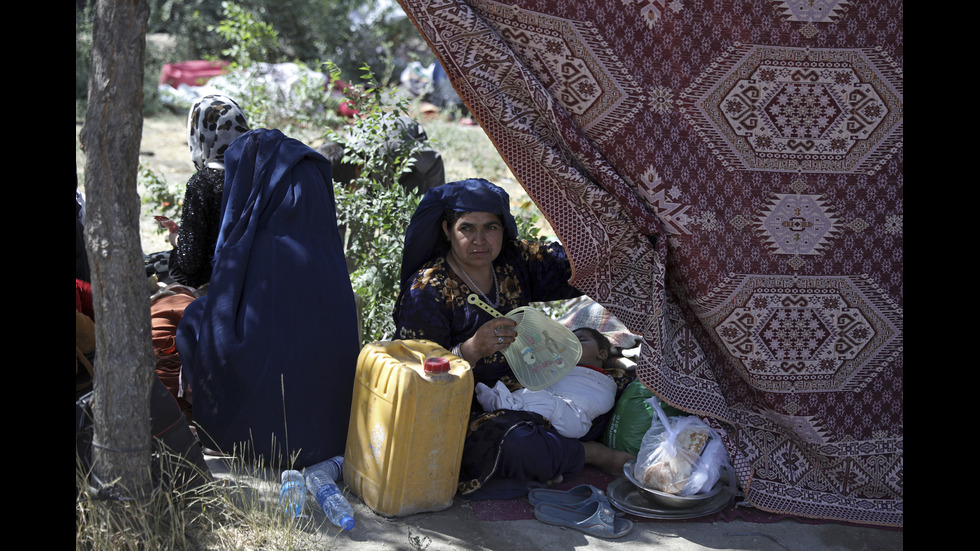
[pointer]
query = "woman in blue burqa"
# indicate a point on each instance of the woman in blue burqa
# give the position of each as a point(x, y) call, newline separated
point(463, 240)
point(270, 351)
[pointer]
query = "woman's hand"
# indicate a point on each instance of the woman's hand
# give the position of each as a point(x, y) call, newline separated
point(493, 336)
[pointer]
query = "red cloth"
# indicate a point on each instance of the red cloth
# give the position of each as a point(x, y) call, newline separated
point(346, 108)
point(83, 298)
point(165, 314)
point(192, 73)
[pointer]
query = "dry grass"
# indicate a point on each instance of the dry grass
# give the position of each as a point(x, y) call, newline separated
point(230, 512)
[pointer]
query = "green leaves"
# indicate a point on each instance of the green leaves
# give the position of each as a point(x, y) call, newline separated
point(374, 210)
point(159, 196)
point(251, 39)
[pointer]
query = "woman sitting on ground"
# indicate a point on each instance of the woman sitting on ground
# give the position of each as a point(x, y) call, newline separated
point(463, 239)
point(212, 124)
point(271, 349)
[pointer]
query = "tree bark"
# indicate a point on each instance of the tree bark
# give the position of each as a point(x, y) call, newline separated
point(124, 352)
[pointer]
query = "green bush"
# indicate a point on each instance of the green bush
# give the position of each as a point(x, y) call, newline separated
point(374, 209)
point(250, 40)
point(303, 108)
point(157, 54)
point(155, 59)
point(83, 52)
point(159, 196)
point(188, 22)
point(351, 33)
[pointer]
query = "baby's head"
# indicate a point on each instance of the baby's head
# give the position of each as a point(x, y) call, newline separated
point(596, 348)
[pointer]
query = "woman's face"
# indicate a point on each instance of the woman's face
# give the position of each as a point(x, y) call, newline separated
point(476, 238)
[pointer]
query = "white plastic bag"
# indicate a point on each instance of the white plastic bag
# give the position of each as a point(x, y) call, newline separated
point(679, 455)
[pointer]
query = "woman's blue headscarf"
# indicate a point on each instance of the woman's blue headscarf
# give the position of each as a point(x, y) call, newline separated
point(424, 235)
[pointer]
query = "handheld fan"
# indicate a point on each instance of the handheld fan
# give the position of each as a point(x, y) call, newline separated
point(545, 350)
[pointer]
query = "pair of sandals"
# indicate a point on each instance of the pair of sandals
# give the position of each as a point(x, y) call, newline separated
point(584, 508)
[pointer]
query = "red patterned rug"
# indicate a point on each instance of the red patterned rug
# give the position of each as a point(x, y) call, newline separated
point(727, 177)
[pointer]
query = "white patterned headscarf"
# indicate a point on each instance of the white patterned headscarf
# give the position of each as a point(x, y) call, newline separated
point(212, 124)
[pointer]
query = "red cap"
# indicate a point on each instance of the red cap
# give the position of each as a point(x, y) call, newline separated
point(436, 365)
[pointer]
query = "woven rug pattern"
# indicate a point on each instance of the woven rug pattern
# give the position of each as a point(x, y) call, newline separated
point(727, 176)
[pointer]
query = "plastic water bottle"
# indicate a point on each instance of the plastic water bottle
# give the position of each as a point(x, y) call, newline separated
point(320, 482)
point(292, 494)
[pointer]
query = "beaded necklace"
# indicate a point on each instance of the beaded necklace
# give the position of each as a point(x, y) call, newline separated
point(496, 284)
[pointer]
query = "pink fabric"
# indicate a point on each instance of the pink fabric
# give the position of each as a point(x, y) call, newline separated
point(192, 73)
point(727, 178)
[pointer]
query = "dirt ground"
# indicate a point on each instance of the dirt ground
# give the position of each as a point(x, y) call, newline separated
point(164, 149)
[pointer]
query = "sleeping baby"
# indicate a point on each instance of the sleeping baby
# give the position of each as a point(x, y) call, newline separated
point(572, 403)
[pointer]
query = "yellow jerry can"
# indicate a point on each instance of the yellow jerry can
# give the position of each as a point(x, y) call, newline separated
point(410, 408)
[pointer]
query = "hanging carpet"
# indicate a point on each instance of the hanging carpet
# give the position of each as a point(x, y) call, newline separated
point(726, 177)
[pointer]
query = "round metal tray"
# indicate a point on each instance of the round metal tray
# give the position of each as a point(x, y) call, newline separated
point(673, 501)
point(625, 496)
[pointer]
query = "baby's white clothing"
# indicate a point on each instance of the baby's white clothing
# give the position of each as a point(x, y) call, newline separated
point(570, 405)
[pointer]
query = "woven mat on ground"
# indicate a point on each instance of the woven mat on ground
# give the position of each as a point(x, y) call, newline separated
point(727, 177)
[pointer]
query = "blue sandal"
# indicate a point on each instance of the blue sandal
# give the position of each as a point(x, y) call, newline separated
point(576, 497)
point(598, 519)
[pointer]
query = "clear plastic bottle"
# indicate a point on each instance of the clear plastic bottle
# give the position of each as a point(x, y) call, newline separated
point(292, 494)
point(320, 480)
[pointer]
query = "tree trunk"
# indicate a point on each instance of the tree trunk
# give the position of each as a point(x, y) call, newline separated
point(124, 351)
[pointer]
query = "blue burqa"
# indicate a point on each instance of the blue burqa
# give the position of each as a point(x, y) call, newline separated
point(270, 352)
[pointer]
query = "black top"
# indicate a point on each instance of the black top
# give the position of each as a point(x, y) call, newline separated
point(192, 259)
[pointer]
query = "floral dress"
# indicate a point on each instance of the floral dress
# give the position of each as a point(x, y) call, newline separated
point(435, 307)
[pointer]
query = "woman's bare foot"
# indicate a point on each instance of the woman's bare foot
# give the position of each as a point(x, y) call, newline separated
point(553, 481)
point(606, 458)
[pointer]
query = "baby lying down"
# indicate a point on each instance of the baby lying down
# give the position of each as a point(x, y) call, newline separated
point(572, 403)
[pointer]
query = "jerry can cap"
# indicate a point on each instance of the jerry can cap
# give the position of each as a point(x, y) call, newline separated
point(436, 365)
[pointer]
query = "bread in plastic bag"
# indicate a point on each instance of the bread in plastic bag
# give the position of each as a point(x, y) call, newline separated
point(679, 455)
